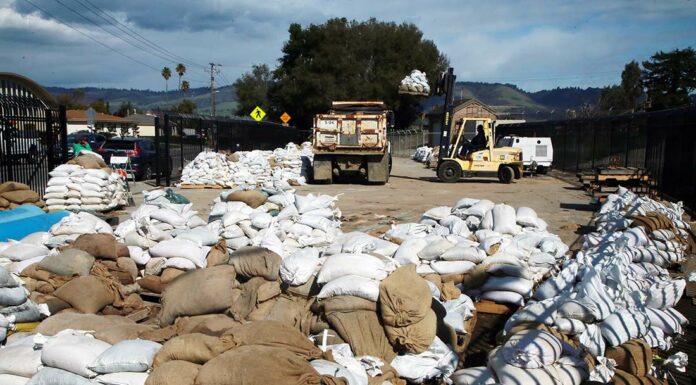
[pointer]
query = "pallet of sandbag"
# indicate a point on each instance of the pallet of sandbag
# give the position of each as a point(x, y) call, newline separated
point(202, 186)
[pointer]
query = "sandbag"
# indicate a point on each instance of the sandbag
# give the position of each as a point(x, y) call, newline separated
point(515, 284)
point(181, 248)
point(256, 262)
point(11, 379)
point(68, 263)
point(409, 249)
point(404, 297)
point(532, 349)
point(73, 351)
point(126, 356)
point(624, 325)
point(351, 285)
point(58, 322)
point(20, 359)
point(479, 375)
point(275, 334)
point(253, 198)
point(122, 378)
point(175, 372)
point(416, 337)
point(212, 294)
point(196, 348)
point(634, 357)
point(23, 251)
point(100, 246)
point(298, 268)
point(362, 265)
point(126, 331)
point(208, 324)
point(86, 294)
point(53, 376)
point(566, 371)
point(21, 196)
point(624, 378)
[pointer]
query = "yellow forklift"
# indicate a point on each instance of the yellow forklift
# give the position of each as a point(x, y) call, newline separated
point(452, 165)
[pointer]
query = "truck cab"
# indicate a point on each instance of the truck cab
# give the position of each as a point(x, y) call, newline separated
point(351, 139)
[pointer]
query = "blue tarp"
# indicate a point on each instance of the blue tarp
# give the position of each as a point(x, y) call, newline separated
point(26, 219)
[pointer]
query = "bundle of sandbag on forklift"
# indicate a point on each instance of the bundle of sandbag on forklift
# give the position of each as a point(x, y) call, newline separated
point(85, 183)
point(415, 82)
point(302, 302)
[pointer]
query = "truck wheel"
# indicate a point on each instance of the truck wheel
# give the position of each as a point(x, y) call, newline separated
point(506, 174)
point(449, 171)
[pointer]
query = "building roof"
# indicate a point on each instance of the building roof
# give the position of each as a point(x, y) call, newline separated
point(459, 104)
point(80, 116)
point(142, 119)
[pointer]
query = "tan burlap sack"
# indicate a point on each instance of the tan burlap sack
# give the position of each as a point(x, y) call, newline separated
point(55, 323)
point(347, 303)
point(275, 334)
point(634, 357)
point(88, 161)
point(33, 272)
point(13, 186)
point(54, 304)
point(414, 338)
point(261, 365)
point(21, 196)
point(68, 263)
point(404, 297)
point(196, 348)
point(218, 254)
point(118, 333)
point(253, 198)
point(101, 246)
point(174, 373)
point(255, 261)
point(169, 274)
point(151, 283)
point(292, 311)
point(4, 203)
point(624, 378)
point(209, 324)
point(86, 294)
point(197, 292)
point(449, 292)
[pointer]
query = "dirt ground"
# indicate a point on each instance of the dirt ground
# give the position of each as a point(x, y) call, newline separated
point(413, 189)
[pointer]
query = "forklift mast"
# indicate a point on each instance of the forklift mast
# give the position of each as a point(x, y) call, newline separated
point(446, 87)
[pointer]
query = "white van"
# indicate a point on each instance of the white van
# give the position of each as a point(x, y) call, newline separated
point(539, 150)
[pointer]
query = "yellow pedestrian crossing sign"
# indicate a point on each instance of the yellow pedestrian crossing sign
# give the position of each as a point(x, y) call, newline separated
point(258, 114)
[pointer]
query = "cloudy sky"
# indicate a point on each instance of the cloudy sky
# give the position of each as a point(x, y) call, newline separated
point(534, 44)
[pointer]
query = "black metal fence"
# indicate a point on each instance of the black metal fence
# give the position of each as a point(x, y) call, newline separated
point(179, 138)
point(663, 142)
point(33, 137)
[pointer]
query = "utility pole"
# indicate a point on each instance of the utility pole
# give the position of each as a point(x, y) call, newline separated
point(213, 70)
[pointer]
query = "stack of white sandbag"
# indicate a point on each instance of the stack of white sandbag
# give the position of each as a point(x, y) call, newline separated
point(293, 163)
point(415, 82)
point(170, 234)
point(74, 225)
point(15, 305)
point(76, 357)
point(75, 188)
point(208, 168)
point(422, 153)
point(512, 247)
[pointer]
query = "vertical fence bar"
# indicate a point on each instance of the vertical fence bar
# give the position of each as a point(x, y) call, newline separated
point(158, 145)
point(199, 135)
point(63, 122)
point(167, 158)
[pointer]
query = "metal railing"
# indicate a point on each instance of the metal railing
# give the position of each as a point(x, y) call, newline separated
point(405, 142)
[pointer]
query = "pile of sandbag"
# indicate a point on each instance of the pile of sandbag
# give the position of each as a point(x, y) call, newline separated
point(15, 194)
point(415, 82)
point(85, 185)
point(422, 153)
point(208, 168)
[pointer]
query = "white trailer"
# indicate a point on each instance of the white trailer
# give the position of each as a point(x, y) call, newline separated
point(539, 150)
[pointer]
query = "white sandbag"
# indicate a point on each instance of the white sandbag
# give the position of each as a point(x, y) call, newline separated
point(201, 236)
point(458, 310)
point(508, 297)
point(624, 325)
point(566, 371)
point(261, 220)
point(20, 359)
point(663, 295)
point(297, 268)
point(7, 280)
point(10, 379)
point(53, 376)
point(123, 378)
point(504, 219)
point(238, 243)
point(438, 362)
point(195, 221)
point(73, 351)
point(452, 267)
point(358, 242)
point(592, 340)
point(59, 181)
point(233, 218)
point(554, 286)
point(569, 326)
point(515, 284)
point(465, 253)
point(313, 202)
point(505, 270)
point(18, 267)
point(435, 249)
point(478, 375)
point(635, 237)
point(179, 263)
point(300, 230)
point(480, 208)
point(37, 238)
point(438, 213)
point(56, 189)
point(351, 285)
point(168, 216)
point(408, 251)
point(12, 296)
point(137, 254)
point(531, 349)
point(656, 338)
point(328, 368)
point(23, 251)
point(126, 356)
point(526, 216)
point(232, 231)
point(363, 265)
point(317, 222)
point(465, 203)
point(180, 248)
point(664, 320)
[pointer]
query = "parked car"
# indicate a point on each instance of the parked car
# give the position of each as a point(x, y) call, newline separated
point(95, 141)
point(19, 144)
point(534, 150)
point(141, 152)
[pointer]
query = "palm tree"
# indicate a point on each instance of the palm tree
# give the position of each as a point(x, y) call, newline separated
point(181, 70)
point(185, 86)
point(166, 74)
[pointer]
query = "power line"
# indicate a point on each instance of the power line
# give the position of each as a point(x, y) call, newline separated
point(91, 38)
point(134, 34)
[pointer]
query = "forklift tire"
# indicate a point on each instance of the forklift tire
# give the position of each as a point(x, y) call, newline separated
point(506, 174)
point(449, 171)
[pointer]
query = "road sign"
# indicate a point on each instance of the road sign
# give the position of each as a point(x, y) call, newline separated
point(258, 114)
point(285, 117)
point(91, 115)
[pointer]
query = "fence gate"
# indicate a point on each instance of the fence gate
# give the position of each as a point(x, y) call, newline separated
point(33, 137)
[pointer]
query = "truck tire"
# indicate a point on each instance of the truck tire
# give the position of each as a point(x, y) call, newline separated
point(506, 174)
point(322, 171)
point(378, 169)
point(449, 171)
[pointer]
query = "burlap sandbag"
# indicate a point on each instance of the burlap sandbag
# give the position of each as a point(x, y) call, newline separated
point(33, 272)
point(245, 298)
point(86, 294)
point(652, 221)
point(55, 323)
point(197, 292)
point(174, 373)
point(88, 161)
point(253, 198)
point(255, 261)
point(196, 348)
point(347, 303)
point(151, 283)
point(42, 287)
point(54, 304)
point(21, 196)
point(307, 290)
point(4, 203)
point(261, 365)
point(449, 292)
point(404, 297)
point(101, 246)
point(292, 311)
point(414, 338)
point(13, 186)
point(634, 357)
point(362, 329)
point(218, 254)
point(160, 335)
point(275, 334)
point(169, 274)
point(118, 333)
point(208, 324)
point(624, 378)
point(68, 263)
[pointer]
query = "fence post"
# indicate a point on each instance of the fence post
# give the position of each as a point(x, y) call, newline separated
point(50, 142)
point(628, 138)
point(594, 145)
point(63, 127)
point(199, 135)
point(158, 171)
point(181, 142)
point(167, 159)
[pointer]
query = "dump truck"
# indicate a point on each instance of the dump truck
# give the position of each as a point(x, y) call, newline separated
point(351, 140)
